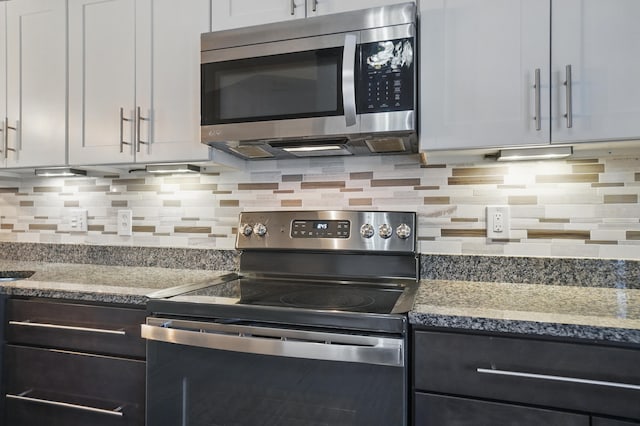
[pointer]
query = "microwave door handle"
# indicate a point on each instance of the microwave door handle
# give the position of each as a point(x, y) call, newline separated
point(349, 79)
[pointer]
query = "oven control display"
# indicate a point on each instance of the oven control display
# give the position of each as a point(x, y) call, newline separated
point(320, 229)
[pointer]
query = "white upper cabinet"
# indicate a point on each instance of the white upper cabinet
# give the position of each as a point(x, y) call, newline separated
point(227, 14)
point(168, 80)
point(101, 81)
point(479, 61)
point(134, 80)
point(325, 7)
point(34, 121)
point(3, 79)
point(600, 42)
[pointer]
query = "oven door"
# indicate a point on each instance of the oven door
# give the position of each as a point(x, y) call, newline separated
point(276, 90)
point(201, 373)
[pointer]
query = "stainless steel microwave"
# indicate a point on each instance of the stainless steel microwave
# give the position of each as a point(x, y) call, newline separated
point(340, 84)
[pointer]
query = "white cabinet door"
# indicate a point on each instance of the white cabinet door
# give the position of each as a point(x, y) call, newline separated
point(3, 80)
point(101, 81)
point(478, 66)
point(36, 83)
point(325, 7)
point(600, 40)
point(168, 79)
point(227, 14)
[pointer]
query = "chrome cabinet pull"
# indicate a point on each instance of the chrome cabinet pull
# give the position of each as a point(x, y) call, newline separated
point(536, 86)
point(3, 130)
point(314, 5)
point(122, 120)
point(293, 7)
point(569, 97)
point(348, 79)
point(22, 397)
point(67, 327)
point(139, 119)
point(558, 378)
point(6, 138)
point(277, 342)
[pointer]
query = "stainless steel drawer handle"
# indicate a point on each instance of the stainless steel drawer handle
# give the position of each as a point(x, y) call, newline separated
point(115, 412)
point(558, 378)
point(67, 327)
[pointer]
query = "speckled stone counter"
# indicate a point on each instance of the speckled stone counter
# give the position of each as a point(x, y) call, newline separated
point(594, 313)
point(99, 283)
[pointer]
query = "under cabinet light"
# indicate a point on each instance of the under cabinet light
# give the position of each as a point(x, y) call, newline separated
point(172, 168)
point(537, 153)
point(60, 171)
point(312, 148)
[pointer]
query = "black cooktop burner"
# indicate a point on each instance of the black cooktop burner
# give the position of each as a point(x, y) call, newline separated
point(349, 297)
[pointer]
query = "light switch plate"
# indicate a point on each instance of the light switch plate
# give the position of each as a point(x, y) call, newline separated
point(124, 223)
point(78, 220)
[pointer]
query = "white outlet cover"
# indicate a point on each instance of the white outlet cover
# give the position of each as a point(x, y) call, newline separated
point(124, 223)
point(497, 230)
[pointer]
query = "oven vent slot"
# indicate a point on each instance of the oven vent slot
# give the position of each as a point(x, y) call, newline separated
point(252, 151)
point(386, 145)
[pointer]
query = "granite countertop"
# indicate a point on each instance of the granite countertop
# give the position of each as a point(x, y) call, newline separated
point(111, 284)
point(594, 313)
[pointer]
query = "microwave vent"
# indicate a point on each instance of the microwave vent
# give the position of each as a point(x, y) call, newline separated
point(385, 145)
point(252, 151)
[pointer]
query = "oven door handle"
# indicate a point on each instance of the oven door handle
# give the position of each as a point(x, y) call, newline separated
point(278, 342)
point(349, 79)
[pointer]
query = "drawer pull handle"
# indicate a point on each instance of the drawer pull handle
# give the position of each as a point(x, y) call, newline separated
point(558, 378)
point(115, 412)
point(68, 327)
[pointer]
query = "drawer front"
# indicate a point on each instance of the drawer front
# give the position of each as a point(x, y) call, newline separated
point(437, 410)
point(41, 381)
point(87, 328)
point(571, 376)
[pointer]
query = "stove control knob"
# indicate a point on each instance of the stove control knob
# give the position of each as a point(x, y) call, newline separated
point(385, 231)
point(403, 231)
point(246, 229)
point(259, 229)
point(367, 230)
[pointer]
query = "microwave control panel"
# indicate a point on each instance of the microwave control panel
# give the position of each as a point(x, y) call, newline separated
point(387, 76)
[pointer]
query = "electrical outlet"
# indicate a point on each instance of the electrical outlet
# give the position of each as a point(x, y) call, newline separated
point(498, 222)
point(78, 220)
point(124, 223)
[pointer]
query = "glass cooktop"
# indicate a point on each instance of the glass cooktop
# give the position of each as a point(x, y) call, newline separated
point(347, 297)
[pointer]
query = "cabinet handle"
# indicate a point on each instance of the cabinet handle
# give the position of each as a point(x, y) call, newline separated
point(569, 97)
point(115, 412)
point(314, 5)
point(6, 138)
point(67, 327)
point(536, 86)
point(122, 120)
point(3, 130)
point(293, 7)
point(558, 378)
point(139, 119)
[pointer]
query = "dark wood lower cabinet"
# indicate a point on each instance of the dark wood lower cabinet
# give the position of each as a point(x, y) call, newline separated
point(72, 364)
point(440, 410)
point(467, 378)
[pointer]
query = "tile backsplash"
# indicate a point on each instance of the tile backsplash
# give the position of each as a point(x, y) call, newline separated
point(584, 208)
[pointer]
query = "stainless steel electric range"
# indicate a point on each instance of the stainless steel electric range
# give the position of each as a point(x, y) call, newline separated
point(312, 331)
